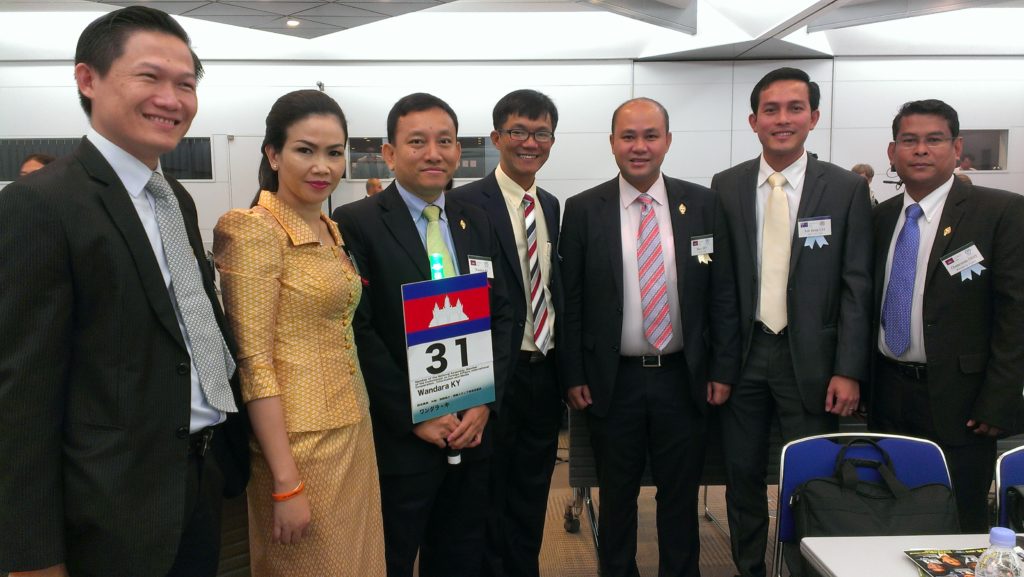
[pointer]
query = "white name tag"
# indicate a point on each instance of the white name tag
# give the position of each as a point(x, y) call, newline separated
point(704, 244)
point(814, 226)
point(962, 259)
point(481, 264)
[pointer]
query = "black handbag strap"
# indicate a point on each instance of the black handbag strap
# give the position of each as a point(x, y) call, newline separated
point(846, 468)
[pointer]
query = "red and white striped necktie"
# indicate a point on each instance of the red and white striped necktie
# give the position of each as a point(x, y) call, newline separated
point(541, 334)
point(653, 287)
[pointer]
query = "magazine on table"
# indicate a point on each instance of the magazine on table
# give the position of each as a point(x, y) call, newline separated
point(949, 562)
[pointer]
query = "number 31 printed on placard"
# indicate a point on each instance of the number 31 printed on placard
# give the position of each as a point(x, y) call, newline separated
point(437, 352)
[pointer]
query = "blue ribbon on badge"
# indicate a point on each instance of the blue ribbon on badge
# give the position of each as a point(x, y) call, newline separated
point(814, 241)
point(969, 273)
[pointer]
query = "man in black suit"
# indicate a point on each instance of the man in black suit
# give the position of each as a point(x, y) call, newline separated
point(801, 238)
point(650, 336)
point(118, 423)
point(526, 219)
point(949, 302)
point(428, 506)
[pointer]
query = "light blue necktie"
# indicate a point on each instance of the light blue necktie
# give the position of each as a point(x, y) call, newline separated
point(900, 295)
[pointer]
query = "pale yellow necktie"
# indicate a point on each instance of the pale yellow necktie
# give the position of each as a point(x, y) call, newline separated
point(775, 248)
point(436, 247)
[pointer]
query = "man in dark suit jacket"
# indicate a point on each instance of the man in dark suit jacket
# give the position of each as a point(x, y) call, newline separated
point(800, 231)
point(526, 435)
point(110, 394)
point(428, 506)
point(650, 319)
point(949, 302)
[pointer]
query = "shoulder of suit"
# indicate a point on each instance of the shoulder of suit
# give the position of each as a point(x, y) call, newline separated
point(687, 186)
point(607, 187)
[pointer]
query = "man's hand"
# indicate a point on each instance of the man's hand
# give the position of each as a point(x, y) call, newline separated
point(55, 571)
point(718, 393)
point(435, 431)
point(470, 431)
point(579, 397)
point(843, 396)
point(977, 427)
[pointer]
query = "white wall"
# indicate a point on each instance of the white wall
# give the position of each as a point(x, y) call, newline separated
point(708, 103)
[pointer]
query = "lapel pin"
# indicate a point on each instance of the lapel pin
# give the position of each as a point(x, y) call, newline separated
point(462, 223)
point(947, 231)
point(682, 208)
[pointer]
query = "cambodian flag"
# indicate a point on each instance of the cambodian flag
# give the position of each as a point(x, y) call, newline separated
point(441, 309)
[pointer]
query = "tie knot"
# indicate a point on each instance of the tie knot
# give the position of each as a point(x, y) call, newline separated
point(432, 212)
point(527, 199)
point(777, 179)
point(914, 211)
point(645, 199)
point(158, 187)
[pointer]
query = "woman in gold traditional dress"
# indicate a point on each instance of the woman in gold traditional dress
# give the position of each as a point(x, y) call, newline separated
point(290, 292)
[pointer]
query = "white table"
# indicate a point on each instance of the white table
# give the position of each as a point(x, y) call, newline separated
point(851, 556)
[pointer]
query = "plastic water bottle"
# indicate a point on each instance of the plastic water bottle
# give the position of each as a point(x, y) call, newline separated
point(999, 560)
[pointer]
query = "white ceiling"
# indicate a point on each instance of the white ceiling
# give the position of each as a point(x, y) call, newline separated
point(404, 30)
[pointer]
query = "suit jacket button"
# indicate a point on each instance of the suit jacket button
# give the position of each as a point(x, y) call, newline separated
point(182, 432)
point(615, 348)
point(183, 369)
point(522, 325)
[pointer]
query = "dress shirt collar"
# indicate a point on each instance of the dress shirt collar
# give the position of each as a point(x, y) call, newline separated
point(511, 189)
point(134, 174)
point(417, 204)
point(794, 173)
point(628, 194)
point(293, 224)
point(932, 204)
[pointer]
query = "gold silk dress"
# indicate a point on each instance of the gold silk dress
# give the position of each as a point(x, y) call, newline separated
point(290, 302)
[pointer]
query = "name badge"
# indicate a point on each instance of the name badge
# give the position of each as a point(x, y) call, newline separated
point(702, 247)
point(965, 261)
point(814, 230)
point(481, 264)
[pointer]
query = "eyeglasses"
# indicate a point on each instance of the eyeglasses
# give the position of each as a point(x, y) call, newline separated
point(520, 134)
point(909, 142)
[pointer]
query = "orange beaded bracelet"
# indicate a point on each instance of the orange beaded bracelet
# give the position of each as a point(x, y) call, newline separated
point(285, 496)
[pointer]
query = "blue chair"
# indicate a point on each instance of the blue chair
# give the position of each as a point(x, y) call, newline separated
point(1009, 472)
point(915, 462)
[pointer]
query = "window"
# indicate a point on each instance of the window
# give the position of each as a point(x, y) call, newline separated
point(984, 149)
point(191, 160)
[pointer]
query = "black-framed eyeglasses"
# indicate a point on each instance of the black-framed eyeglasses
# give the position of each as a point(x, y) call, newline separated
point(909, 142)
point(520, 134)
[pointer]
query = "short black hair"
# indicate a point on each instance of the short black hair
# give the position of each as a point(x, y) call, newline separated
point(785, 73)
point(664, 113)
point(525, 102)
point(930, 107)
point(417, 102)
point(102, 42)
point(40, 157)
point(289, 109)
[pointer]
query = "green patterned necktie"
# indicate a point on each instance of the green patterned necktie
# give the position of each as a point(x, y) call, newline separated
point(436, 244)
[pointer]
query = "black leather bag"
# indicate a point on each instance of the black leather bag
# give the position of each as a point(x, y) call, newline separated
point(845, 506)
point(1015, 508)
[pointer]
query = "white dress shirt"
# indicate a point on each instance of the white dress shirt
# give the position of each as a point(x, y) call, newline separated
point(134, 176)
point(928, 227)
point(513, 194)
point(794, 186)
point(634, 342)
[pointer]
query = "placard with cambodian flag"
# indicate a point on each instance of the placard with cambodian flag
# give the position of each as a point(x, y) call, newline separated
point(448, 335)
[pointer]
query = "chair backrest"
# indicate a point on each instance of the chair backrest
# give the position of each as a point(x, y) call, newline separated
point(915, 462)
point(1009, 472)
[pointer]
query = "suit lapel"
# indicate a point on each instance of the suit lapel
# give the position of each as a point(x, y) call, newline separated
point(952, 212)
point(399, 223)
point(459, 227)
point(497, 210)
point(680, 230)
point(122, 212)
point(887, 218)
point(612, 223)
point(810, 197)
point(748, 205)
